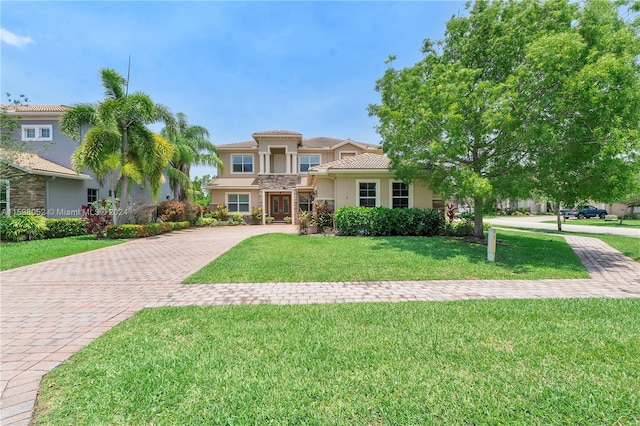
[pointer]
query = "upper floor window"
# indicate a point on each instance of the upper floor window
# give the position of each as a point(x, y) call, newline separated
point(399, 195)
point(42, 132)
point(242, 163)
point(307, 161)
point(367, 194)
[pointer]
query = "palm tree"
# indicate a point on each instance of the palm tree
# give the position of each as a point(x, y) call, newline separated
point(191, 146)
point(118, 140)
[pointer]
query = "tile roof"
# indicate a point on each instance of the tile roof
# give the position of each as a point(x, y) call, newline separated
point(317, 142)
point(34, 164)
point(366, 161)
point(36, 108)
point(277, 133)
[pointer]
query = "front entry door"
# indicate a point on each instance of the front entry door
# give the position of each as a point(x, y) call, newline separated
point(280, 206)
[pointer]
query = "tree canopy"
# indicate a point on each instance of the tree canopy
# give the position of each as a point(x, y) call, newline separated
point(191, 146)
point(517, 99)
point(118, 140)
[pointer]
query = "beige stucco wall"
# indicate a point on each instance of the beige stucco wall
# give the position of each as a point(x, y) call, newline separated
point(343, 189)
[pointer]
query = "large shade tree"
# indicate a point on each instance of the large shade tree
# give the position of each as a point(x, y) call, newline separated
point(458, 119)
point(118, 140)
point(191, 146)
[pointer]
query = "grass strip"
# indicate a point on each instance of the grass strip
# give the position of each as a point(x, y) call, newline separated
point(533, 362)
point(25, 253)
point(626, 223)
point(294, 258)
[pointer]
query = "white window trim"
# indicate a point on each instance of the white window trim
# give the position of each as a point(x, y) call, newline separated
point(226, 200)
point(97, 194)
point(37, 128)
point(7, 184)
point(253, 164)
point(308, 155)
point(376, 181)
point(391, 182)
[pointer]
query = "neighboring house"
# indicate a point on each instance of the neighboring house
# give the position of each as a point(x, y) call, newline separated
point(284, 173)
point(42, 180)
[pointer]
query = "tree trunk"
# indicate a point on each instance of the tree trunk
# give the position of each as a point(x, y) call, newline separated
point(124, 181)
point(478, 227)
point(558, 215)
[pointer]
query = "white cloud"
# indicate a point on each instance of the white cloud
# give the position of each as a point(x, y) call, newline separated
point(13, 39)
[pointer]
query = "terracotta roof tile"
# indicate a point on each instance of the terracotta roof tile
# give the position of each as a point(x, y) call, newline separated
point(36, 108)
point(366, 161)
point(277, 133)
point(32, 163)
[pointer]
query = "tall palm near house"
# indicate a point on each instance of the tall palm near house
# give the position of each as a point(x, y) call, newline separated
point(191, 146)
point(118, 140)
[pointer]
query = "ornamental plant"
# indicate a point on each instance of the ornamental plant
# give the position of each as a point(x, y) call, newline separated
point(96, 219)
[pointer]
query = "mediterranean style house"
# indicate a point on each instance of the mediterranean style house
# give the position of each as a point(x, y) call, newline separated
point(41, 179)
point(285, 174)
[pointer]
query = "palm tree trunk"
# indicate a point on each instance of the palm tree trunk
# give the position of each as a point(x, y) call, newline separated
point(124, 180)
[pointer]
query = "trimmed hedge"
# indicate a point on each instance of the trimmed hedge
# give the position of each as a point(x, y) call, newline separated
point(141, 231)
point(382, 221)
point(65, 227)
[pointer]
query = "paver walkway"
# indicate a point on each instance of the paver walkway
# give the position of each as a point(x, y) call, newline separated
point(52, 309)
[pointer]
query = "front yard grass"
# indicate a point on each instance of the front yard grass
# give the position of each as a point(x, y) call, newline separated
point(24, 253)
point(533, 362)
point(292, 258)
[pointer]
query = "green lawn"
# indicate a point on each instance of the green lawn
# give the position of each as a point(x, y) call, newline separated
point(527, 362)
point(13, 255)
point(292, 258)
point(627, 223)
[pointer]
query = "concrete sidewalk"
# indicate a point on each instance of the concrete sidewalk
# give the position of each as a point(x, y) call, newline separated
point(52, 309)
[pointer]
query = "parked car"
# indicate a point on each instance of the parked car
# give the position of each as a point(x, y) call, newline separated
point(466, 208)
point(584, 211)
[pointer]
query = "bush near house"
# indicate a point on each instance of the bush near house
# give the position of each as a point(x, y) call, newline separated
point(65, 227)
point(383, 221)
point(172, 211)
point(141, 231)
point(21, 227)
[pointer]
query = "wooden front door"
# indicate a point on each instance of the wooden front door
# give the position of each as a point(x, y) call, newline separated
point(280, 206)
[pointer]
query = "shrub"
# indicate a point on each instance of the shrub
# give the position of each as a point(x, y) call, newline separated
point(256, 215)
point(386, 221)
point(172, 211)
point(236, 219)
point(460, 228)
point(20, 227)
point(96, 219)
point(141, 231)
point(221, 212)
point(206, 221)
point(323, 216)
point(65, 227)
point(193, 211)
point(304, 221)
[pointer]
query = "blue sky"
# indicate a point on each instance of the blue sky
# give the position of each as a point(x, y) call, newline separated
point(234, 67)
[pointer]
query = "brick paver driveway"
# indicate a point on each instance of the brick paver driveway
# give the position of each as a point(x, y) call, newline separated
point(50, 310)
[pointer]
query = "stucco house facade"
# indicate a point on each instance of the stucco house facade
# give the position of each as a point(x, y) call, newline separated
point(41, 180)
point(284, 174)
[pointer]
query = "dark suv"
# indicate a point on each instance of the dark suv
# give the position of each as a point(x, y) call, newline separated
point(582, 212)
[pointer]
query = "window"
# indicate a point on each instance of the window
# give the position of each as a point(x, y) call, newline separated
point(305, 202)
point(238, 203)
point(37, 133)
point(307, 161)
point(346, 154)
point(242, 163)
point(4, 197)
point(92, 195)
point(367, 194)
point(399, 195)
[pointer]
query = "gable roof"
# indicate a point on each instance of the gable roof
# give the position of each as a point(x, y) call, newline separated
point(366, 161)
point(36, 165)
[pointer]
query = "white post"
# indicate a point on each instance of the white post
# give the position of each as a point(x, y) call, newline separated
point(491, 245)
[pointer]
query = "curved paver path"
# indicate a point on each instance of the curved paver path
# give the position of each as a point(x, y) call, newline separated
point(52, 309)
